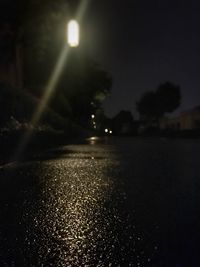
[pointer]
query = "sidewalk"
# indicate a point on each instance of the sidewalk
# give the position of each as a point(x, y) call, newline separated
point(39, 143)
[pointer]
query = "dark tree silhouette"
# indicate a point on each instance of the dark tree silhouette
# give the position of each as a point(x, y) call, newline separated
point(81, 90)
point(82, 85)
point(147, 105)
point(168, 97)
point(153, 105)
point(123, 123)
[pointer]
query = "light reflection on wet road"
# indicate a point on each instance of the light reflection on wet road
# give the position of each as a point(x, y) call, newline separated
point(124, 203)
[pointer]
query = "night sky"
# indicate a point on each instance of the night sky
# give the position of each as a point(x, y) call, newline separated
point(143, 43)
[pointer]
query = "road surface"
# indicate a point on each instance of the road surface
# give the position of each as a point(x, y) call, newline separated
point(111, 202)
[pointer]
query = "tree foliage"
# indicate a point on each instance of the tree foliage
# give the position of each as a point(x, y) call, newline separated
point(81, 89)
point(123, 123)
point(83, 84)
point(42, 29)
point(169, 97)
point(154, 104)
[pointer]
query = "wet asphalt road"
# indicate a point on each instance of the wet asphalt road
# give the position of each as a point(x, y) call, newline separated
point(118, 202)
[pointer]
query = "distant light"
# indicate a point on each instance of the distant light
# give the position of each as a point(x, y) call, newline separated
point(110, 132)
point(94, 122)
point(92, 116)
point(106, 130)
point(95, 126)
point(73, 33)
point(93, 138)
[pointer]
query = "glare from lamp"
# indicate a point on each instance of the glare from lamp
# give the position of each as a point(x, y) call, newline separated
point(73, 33)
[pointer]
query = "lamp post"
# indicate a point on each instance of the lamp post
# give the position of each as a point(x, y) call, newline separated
point(73, 33)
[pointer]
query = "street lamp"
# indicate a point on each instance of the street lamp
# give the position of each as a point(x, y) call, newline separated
point(73, 33)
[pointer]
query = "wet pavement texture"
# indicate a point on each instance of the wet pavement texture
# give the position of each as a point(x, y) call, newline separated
point(111, 202)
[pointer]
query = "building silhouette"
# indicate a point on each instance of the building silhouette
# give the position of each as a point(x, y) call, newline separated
point(187, 120)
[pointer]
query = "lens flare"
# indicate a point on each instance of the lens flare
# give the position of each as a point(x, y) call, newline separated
point(51, 85)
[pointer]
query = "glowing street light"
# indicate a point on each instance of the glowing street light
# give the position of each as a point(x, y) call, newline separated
point(73, 33)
